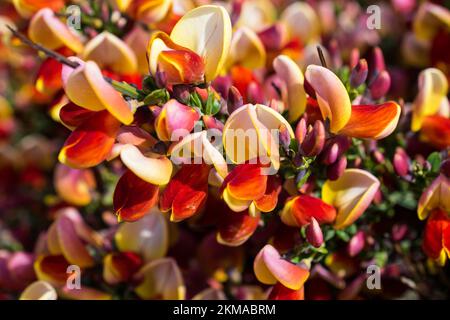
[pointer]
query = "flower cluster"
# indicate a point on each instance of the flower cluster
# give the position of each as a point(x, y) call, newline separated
point(249, 149)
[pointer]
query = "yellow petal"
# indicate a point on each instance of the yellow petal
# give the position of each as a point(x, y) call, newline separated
point(46, 29)
point(205, 30)
point(235, 204)
point(429, 19)
point(148, 237)
point(138, 40)
point(256, 14)
point(291, 74)
point(351, 194)
point(332, 96)
point(110, 52)
point(433, 87)
point(86, 87)
point(436, 195)
point(161, 279)
point(247, 49)
point(302, 22)
point(153, 168)
point(39, 290)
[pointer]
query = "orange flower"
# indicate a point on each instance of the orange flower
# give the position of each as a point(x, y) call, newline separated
point(196, 49)
point(247, 187)
point(299, 210)
point(366, 122)
point(236, 227)
point(436, 241)
point(74, 185)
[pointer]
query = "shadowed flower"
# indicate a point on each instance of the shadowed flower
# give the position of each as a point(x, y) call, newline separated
point(270, 268)
point(350, 194)
point(436, 195)
point(120, 267)
point(436, 241)
point(74, 185)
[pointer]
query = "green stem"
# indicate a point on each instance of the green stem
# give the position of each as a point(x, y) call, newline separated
point(125, 88)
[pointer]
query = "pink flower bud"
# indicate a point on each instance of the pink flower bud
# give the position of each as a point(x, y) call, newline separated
point(212, 123)
point(380, 86)
point(359, 73)
point(222, 85)
point(300, 130)
point(314, 233)
point(160, 79)
point(314, 140)
point(401, 162)
point(285, 137)
point(356, 244)
point(273, 37)
point(334, 148)
point(354, 58)
point(378, 156)
point(234, 100)
point(255, 93)
point(181, 92)
point(445, 168)
point(335, 170)
point(399, 231)
point(376, 64)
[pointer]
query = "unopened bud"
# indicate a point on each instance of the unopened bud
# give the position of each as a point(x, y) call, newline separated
point(380, 86)
point(401, 162)
point(300, 130)
point(285, 137)
point(359, 73)
point(273, 37)
point(378, 156)
point(376, 64)
point(160, 79)
point(212, 123)
point(234, 100)
point(314, 233)
point(445, 168)
point(399, 231)
point(181, 92)
point(335, 170)
point(255, 93)
point(354, 58)
point(314, 140)
point(356, 244)
point(334, 148)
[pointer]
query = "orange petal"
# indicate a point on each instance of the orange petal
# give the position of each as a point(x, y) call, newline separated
point(133, 197)
point(298, 211)
point(236, 227)
point(86, 87)
point(351, 195)
point(90, 143)
point(48, 79)
point(269, 200)
point(74, 185)
point(436, 131)
point(246, 182)
point(46, 29)
point(138, 39)
point(332, 96)
point(161, 279)
point(270, 268)
point(372, 122)
point(110, 52)
point(73, 116)
point(147, 237)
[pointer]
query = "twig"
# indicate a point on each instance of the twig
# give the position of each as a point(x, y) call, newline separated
point(122, 87)
point(322, 57)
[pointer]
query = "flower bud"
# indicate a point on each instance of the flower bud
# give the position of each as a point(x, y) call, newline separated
point(378, 156)
point(335, 170)
point(354, 58)
point(359, 73)
point(445, 168)
point(273, 37)
point(255, 93)
point(356, 244)
point(285, 138)
point(399, 231)
point(334, 148)
point(376, 64)
point(181, 92)
point(314, 140)
point(314, 233)
point(401, 162)
point(300, 130)
point(160, 79)
point(234, 100)
point(380, 86)
point(212, 123)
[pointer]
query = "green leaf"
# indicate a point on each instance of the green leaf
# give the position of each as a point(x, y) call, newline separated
point(212, 104)
point(158, 97)
point(343, 235)
point(435, 160)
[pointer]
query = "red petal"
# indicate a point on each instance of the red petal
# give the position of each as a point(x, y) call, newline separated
point(134, 197)
point(236, 227)
point(280, 292)
point(90, 143)
point(246, 182)
point(182, 66)
point(437, 226)
point(48, 79)
point(305, 207)
point(73, 115)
